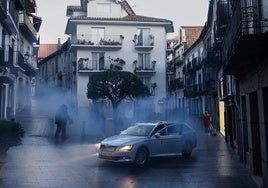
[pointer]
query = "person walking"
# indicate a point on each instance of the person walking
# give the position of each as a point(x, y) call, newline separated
point(61, 119)
point(207, 121)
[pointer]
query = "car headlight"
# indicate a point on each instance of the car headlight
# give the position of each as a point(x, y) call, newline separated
point(125, 148)
point(97, 146)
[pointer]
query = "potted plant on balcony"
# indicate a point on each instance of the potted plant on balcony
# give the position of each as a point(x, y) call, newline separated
point(153, 62)
point(102, 41)
point(154, 85)
point(135, 38)
point(11, 133)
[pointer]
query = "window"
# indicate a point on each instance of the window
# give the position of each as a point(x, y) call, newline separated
point(185, 128)
point(46, 69)
point(161, 129)
point(104, 7)
point(56, 66)
point(144, 61)
point(174, 129)
point(52, 67)
point(2, 39)
point(143, 37)
point(98, 60)
point(97, 34)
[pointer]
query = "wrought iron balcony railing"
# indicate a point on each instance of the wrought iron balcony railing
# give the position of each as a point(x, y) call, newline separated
point(25, 22)
point(86, 65)
point(95, 40)
point(178, 61)
point(3, 9)
point(176, 84)
point(141, 41)
point(245, 20)
point(193, 90)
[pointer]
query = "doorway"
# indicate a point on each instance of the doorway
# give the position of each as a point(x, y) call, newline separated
point(255, 134)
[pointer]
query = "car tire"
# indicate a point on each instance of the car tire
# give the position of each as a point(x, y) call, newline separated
point(187, 149)
point(141, 157)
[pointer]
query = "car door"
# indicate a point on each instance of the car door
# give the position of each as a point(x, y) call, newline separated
point(156, 144)
point(173, 139)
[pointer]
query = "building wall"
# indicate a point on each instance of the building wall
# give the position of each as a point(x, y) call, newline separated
point(129, 54)
point(254, 87)
point(196, 102)
point(115, 9)
point(191, 34)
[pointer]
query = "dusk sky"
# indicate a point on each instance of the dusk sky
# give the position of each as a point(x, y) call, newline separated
point(181, 12)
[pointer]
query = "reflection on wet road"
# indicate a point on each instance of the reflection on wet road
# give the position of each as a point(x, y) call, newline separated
point(39, 162)
point(74, 163)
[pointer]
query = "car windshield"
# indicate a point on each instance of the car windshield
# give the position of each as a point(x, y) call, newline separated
point(138, 130)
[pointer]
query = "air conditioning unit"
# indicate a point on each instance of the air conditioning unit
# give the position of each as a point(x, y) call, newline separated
point(227, 87)
point(230, 85)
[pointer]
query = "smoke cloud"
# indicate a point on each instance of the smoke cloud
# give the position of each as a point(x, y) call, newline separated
point(98, 120)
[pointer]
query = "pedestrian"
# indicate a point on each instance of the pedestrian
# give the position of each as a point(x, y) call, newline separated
point(61, 119)
point(207, 121)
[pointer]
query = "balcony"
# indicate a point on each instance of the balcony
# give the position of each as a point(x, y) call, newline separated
point(144, 67)
point(91, 66)
point(94, 42)
point(178, 61)
point(6, 56)
point(194, 90)
point(10, 16)
point(27, 27)
point(27, 64)
point(209, 86)
point(2, 54)
point(28, 5)
point(169, 49)
point(246, 38)
point(176, 84)
point(143, 42)
point(170, 68)
point(194, 65)
point(142, 70)
point(3, 9)
point(213, 58)
point(10, 59)
point(184, 69)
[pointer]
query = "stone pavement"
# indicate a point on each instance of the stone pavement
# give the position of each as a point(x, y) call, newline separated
point(40, 162)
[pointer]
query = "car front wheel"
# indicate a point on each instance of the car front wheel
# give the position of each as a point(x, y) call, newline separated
point(187, 149)
point(141, 157)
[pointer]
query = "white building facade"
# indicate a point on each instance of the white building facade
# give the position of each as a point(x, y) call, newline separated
point(107, 34)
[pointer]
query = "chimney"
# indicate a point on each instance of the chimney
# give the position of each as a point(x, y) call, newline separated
point(59, 43)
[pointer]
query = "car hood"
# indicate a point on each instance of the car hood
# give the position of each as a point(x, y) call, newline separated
point(121, 140)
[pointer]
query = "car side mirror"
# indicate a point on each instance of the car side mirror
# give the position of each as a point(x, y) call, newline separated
point(157, 135)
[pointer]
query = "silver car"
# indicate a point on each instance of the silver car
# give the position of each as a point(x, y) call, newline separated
point(142, 141)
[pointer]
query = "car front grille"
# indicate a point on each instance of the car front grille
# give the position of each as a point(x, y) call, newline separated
point(107, 148)
point(114, 158)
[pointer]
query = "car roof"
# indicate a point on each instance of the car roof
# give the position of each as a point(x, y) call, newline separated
point(154, 123)
point(145, 123)
point(161, 122)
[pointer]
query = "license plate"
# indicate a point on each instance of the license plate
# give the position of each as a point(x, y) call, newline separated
point(105, 153)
